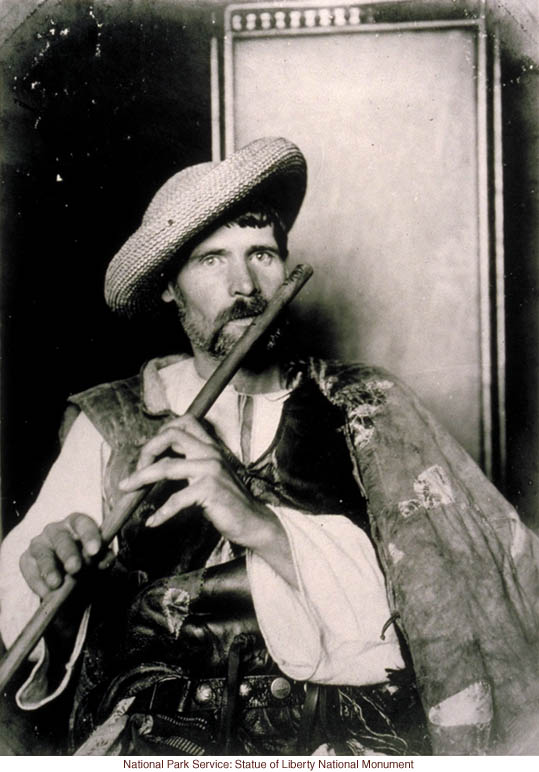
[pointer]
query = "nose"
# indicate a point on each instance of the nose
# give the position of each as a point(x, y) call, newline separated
point(242, 278)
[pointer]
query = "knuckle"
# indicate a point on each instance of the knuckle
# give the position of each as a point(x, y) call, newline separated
point(215, 466)
point(166, 437)
point(63, 541)
point(170, 430)
point(78, 519)
point(61, 534)
point(36, 546)
point(212, 488)
point(52, 530)
point(65, 550)
point(187, 423)
point(190, 422)
point(85, 526)
point(174, 502)
point(168, 465)
point(212, 485)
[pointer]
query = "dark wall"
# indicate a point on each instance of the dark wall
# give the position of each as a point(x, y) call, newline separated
point(521, 184)
point(97, 111)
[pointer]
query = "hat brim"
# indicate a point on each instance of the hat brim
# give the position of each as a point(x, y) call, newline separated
point(272, 170)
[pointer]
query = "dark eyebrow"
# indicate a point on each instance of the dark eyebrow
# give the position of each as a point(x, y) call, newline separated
point(267, 247)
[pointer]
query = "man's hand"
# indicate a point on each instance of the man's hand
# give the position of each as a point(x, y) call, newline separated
point(61, 548)
point(213, 486)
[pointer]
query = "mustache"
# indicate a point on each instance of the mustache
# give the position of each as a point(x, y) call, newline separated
point(240, 309)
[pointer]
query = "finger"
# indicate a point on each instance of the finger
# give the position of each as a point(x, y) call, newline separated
point(177, 439)
point(64, 546)
point(31, 575)
point(168, 469)
point(168, 440)
point(45, 562)
point(87, 530)
point(106, 560)
point(191, 425)
point(192, 494)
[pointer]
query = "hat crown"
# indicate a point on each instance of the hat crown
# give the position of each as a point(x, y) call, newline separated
point(175, 187)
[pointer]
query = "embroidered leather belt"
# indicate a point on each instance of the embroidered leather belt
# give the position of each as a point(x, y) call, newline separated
point(180, 694)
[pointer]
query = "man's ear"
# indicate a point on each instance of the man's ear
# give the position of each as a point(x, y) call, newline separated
point(168, 293)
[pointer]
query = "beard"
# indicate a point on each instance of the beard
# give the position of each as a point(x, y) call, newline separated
point(217, 341)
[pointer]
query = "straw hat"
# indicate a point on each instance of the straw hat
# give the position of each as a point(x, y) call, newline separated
point(271, 169)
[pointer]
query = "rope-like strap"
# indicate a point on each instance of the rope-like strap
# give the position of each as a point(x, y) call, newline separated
point(230, 692)
point(308, 718)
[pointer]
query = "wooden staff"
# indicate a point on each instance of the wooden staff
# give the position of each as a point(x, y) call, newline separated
point(127, 504)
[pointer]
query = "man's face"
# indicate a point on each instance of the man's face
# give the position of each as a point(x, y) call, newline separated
point(226, 280)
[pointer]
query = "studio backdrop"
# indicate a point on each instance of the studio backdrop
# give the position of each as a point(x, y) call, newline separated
point(396, 122)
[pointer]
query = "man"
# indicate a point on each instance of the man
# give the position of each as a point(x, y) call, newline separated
point(245, 610)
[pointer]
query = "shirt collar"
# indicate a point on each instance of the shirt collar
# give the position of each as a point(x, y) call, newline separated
point(153, 393)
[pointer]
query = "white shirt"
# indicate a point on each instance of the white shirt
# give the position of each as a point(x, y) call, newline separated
point(328, 631)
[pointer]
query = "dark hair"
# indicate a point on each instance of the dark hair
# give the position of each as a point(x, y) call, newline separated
point(256, 214)
point(252, 214)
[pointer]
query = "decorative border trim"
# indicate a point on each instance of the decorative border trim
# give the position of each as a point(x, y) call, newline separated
point(286, 18)
point(297, 16)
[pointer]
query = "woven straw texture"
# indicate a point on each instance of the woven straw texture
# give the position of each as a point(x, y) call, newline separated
point(272, 169)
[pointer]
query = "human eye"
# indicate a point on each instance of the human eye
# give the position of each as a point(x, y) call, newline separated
point(263, 256)
point(209, 260)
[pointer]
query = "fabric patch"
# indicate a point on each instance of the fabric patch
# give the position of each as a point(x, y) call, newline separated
point(410, 507)
point(363, 401)
point(364, 410)
point(175, 606)
point(367, 395)
point(395, 553)
point(346, 389)
point(103, 739)
point(362, 434)
point(382, 384)
point(433, 488)
point(361, 398)
point(471, 706)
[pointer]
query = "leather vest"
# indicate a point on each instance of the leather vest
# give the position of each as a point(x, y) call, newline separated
point(306, 467)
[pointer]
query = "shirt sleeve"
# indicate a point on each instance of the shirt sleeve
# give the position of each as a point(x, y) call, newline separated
point(72, 485)
point(330, 630)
